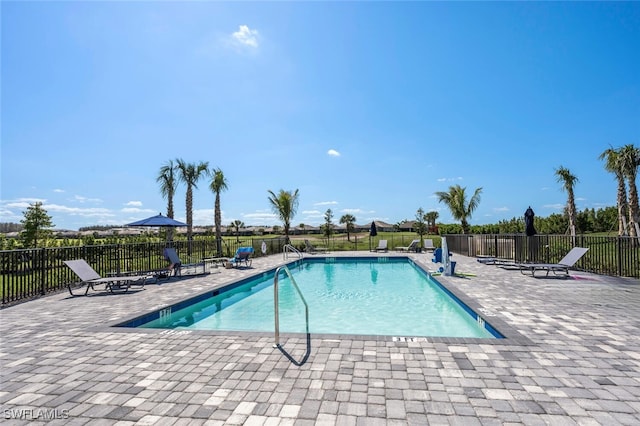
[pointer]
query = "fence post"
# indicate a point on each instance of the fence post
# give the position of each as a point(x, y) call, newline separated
point(619, 254)
point(42, 271)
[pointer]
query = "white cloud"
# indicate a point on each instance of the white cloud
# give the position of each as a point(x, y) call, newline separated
point(501, 209)
point(326, 203)
point(23, 203)
point(554, 206)
point(245, 36)
point(333, 153)
point(134, 203)
point(260, 217)
point(351, 211)
point(58, 190)
point(76, 211)
point(449, 179)
point(82, 199)
point(136, 210)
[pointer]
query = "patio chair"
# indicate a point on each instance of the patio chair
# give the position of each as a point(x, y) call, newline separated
point(310, 248)
point(559, 269)
point(177, 266)
point(428, 245)
point(382, 246)
point(90, 278)
point(411, 247)
point(243, 255)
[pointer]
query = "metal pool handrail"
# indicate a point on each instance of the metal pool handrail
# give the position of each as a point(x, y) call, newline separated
point(289, 248)
point(275, 302)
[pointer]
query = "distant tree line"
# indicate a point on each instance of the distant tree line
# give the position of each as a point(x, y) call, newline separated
point(10, 227)
point(587, 221)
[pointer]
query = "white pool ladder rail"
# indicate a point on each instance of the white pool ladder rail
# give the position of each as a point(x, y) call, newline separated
point(288, 248)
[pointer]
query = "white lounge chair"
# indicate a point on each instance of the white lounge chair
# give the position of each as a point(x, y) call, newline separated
point(411, 247)
point(90, 277)
point(382, 246)
point(310, 248)
point(561, 268)
point(428, 245)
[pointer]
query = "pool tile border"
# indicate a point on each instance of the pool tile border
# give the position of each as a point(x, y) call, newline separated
point(511, 336)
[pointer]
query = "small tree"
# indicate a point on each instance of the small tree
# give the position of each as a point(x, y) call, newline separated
point(349, 220)
point(37, 226)
point(420, 225)
point(327, 228)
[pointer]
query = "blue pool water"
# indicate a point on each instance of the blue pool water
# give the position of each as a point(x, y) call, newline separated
point(364, 296)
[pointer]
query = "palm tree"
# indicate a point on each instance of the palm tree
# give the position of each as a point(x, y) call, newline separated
point(564, 176)
point(630, 159)
point(456, 200)
point(285, 205)
point(218, 184)
point(613, 164)
point(431, 218)
point(237, 224)
point(349, 220)
point(190, 173)
point(168, 183)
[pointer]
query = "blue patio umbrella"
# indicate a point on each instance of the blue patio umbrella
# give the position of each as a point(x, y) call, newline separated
point(158, 220)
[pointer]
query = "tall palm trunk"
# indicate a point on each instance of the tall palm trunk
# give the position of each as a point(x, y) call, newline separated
point(568, 181)
point(217, 185)
point(189, 207)
point(170, 213)
point(167, 180)
point(634, 210)
point(218, 221)
point(571, 212)
point(622, 206)
point(630, 159)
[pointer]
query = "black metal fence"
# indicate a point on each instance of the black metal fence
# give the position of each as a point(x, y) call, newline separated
point(30, 273)
point(616, 256)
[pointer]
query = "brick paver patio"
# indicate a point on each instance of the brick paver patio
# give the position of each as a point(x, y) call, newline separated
point(573, 357)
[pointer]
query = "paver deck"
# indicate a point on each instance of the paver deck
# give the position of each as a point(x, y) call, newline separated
point(578, 361)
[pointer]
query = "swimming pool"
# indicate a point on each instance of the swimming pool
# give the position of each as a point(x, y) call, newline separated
point(357, 296)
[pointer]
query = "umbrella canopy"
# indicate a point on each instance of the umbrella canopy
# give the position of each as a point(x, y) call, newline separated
point(158, 220)
point(373, 231)
point(528, 221)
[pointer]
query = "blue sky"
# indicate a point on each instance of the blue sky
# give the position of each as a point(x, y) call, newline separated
point(366, 108)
